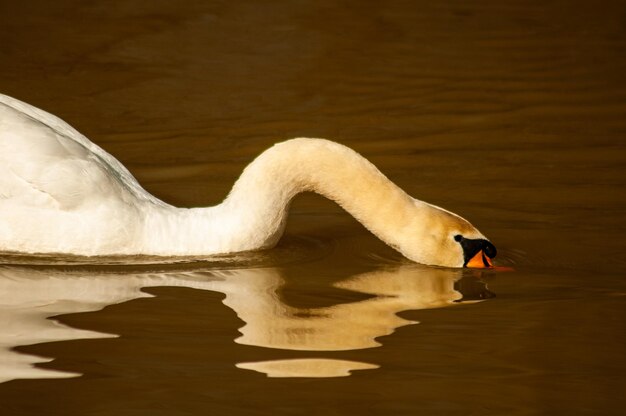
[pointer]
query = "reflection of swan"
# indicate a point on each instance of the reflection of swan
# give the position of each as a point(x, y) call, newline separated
point(29, 296)
point(347, 326)
point(54, 179)
point(306, 367)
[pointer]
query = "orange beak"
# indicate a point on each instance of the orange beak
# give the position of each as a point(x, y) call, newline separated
point(480, 260)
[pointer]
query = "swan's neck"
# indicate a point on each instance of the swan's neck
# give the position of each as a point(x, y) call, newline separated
point(254, 213)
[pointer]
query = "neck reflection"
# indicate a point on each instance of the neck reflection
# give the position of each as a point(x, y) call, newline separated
point(29, 296)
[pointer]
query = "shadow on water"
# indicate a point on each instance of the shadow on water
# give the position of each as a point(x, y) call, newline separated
point(29, 296)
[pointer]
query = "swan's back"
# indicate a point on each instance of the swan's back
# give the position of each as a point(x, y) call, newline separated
point(44, 161)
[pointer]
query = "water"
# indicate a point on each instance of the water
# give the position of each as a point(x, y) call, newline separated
point(511, 114)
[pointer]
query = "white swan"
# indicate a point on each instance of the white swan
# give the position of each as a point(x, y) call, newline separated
point(60, 193)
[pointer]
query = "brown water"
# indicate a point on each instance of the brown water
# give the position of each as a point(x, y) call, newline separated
point(512, 114)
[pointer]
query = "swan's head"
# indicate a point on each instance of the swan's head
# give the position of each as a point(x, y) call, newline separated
point(440, 238)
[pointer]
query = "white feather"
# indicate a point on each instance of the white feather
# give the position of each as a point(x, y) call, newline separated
point(60, 193)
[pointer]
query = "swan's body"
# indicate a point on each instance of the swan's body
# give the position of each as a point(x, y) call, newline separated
point(60, 193)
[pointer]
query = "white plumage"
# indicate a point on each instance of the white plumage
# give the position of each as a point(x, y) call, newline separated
point(61, 193)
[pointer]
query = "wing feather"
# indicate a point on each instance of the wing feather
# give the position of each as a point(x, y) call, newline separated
point(44, 160)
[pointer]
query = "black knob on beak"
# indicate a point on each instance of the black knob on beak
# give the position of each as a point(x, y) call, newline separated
point(471, 247)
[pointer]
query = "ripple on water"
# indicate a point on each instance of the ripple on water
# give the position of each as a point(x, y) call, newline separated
point(30, 295)
point(292, 249)
point(307, 367)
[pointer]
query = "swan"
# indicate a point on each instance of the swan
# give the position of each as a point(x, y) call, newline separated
point(62, 194)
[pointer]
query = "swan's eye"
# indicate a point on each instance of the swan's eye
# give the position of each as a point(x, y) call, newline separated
point(458, 238)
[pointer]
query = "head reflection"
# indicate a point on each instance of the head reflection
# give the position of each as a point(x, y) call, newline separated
point(29, 296)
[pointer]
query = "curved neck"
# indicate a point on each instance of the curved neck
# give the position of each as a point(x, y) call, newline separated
point(267, 186)
point(254, 213)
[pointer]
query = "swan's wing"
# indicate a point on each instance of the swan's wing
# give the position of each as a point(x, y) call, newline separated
point(51, 174)
point(44, 160)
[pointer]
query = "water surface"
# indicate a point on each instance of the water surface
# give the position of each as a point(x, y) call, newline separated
point(510, 114)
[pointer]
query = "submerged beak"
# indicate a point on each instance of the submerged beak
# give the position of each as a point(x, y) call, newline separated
point(480, 260)
point(477, 252)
